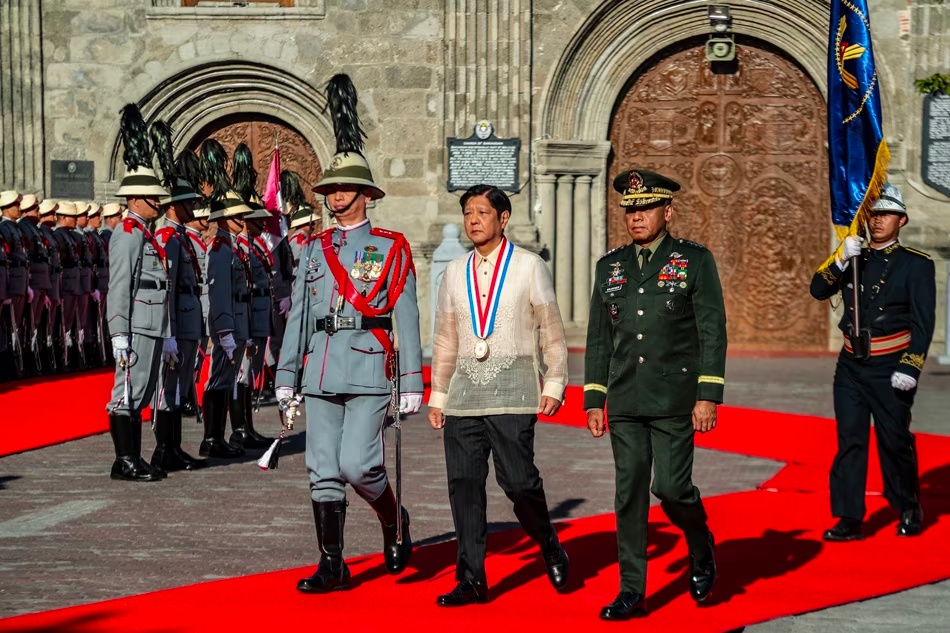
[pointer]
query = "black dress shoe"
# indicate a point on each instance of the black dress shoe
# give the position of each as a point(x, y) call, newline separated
point(558, 566)
point(910, 523)
point(132, 468)
point(844, 530)
point(703, 574)
point(626, 605)
point(466, 592)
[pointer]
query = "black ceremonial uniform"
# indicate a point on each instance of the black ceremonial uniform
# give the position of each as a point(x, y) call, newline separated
point(898, 305)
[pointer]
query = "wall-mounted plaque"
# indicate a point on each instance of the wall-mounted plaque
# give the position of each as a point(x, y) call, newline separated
point(935, 146)
point(72, 179)
point(483, 158)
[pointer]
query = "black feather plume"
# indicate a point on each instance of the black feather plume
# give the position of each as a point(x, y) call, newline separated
point(134, 134)
point(214, 164)
point(290, 189)
point(243, 174)
point(161, 135)
point(341, 100)
point(188, 166)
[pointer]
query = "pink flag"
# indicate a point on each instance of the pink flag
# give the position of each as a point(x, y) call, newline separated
point(272, 197)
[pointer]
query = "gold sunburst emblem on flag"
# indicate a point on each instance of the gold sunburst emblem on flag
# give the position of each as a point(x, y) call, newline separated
point(847, 52)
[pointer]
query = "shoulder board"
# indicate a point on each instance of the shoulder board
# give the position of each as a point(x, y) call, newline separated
point(319, 236)
point(611, 252)
point(218, 242)
point(393, 235)
point(128, 224)
point(691, 243)
point(916, 252)
point(165, 232)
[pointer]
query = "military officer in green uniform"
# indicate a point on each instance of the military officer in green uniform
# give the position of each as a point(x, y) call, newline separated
point(656, 356)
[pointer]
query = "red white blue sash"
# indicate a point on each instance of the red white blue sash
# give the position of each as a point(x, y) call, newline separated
point(483, 321)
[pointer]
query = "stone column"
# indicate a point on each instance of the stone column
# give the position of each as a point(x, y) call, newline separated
point(563, 250)
point(546, 193)
point(581, 255)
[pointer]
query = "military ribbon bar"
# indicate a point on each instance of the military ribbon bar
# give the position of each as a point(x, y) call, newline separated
point(483, 321)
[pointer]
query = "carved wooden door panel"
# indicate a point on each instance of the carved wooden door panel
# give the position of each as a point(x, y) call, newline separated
point(260, 134)
point(748, 149)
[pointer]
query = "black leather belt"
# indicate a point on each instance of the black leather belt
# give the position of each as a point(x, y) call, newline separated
point(261, 292)
point(151, 284)
point(333, 323)
point(242, 298)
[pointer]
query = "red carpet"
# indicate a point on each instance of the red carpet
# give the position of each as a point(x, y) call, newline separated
point(772, 561)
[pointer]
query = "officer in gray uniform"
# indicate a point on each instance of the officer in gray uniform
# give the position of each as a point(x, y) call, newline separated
point(301, 227)
point(229, 302)
point(184, 279)
point(195, 232)
point(40, 281)
point(355, 290)
point(242, 422)
point(18, 258)
point(47, 223)
point(138, 303)
point(87, 272)
point(69, 283)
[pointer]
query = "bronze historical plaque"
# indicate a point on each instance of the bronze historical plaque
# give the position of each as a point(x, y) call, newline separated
point(748, 149)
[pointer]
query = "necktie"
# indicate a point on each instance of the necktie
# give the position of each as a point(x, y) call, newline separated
point(644, 258)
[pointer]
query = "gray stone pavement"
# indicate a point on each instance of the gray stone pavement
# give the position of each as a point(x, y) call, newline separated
point(69, 535)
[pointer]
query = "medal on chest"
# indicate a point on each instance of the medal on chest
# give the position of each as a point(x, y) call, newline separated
point(674, 273)
point(483, 319)
point(367, 266)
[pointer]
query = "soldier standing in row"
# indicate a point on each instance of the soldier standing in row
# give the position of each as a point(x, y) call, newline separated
point(355, 291)
point(302, 223)
point(18, 262)
point(138, 303)
point(877, 375)
point(100, 281)
point(40, 278)
point(69, 286)
point(87, 274)
point(47, 215)
point(655, 360)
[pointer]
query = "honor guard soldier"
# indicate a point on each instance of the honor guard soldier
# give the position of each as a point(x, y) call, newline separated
point(47, 213)
point(656, 358)
point(100, 281)
point(229, 304)
point(355, 290)
point(40, 279)
point(69, 282)
point(18, 261)
point(87, 273)
point(879, 365)
point(138, 303)
point(301, 226)
point(195, 231)
point(5, 301)
point(111, 217)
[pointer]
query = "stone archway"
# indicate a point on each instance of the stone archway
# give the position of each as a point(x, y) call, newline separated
point(748, 149)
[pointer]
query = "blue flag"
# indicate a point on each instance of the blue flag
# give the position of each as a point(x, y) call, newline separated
point(857, 152)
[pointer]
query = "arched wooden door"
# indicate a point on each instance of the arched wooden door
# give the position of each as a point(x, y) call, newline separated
point(748, 149)
point(260, 133)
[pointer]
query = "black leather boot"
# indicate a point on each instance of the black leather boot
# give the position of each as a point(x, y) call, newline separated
point(175, 446)
point(396, 555)
point(137, 439)
point(215, 410)
point(332, 573)
point(242, 425)
point(163, 457)
point(128, 464)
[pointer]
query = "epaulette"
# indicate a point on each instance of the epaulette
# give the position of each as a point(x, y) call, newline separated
point(691, 243)
point(319, 236)
point(393, 235)
point(128, 224)
point(165, 232)
point(612, 251)
point(916, 252)
point(218, 242)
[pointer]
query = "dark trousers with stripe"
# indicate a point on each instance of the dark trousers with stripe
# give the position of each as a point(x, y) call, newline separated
point(667, 445)
point(510, 441)
point(862, 390)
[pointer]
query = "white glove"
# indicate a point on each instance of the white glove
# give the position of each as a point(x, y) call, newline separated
point(284, 307)
point(47, 302)
point(284, 393)
point(7, 301)
point(120, 348)
point(410, 403)
point(96, 296)
point(851, 247)
point(29, 294)
point(227, 344)
point(903, 382)
point(170, 349)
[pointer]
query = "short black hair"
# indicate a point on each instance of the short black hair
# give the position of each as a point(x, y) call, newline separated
point(497, 198)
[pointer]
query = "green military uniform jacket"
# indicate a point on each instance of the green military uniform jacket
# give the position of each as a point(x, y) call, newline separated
point(656, 342)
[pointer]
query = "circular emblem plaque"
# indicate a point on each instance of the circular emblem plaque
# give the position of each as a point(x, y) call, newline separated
point(483, 130)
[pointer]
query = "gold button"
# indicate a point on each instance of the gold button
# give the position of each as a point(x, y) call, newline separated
point(641, 361)
point(639, 337)
point(639, 312)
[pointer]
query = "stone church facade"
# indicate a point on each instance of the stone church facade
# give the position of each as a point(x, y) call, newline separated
point(589, 88)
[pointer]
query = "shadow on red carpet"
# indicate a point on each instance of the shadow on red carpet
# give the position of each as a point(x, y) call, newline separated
point(771, 558)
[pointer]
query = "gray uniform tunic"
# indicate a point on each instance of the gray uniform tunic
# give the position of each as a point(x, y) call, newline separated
point(39, 267)
point(184, 287)
point(345, 376)
point(261, 306)
point(69, 287)
point(18, 273)
point(229, 301)
point(137, 307)
point(55, 264)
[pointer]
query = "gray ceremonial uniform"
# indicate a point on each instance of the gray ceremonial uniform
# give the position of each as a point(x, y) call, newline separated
point(347, 391)
point(261, 306)
point(229, 300)
point(18, 274)
point(69, 281)
point(184, 307)
point(138, 307)
point(201, 253)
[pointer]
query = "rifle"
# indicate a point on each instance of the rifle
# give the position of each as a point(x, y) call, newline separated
point(16, 347)
point(396, 424)
point(99, 333)
point(35, 341)
point(80, 347)
point(262, 379)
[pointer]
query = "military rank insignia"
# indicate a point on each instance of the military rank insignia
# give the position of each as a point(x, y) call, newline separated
point(368, 265)
point(674, 272)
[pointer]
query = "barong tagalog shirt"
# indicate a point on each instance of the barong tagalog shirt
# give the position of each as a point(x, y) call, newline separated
point(513, 351)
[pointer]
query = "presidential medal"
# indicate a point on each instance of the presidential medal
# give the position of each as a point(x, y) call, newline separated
point(481, 350)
